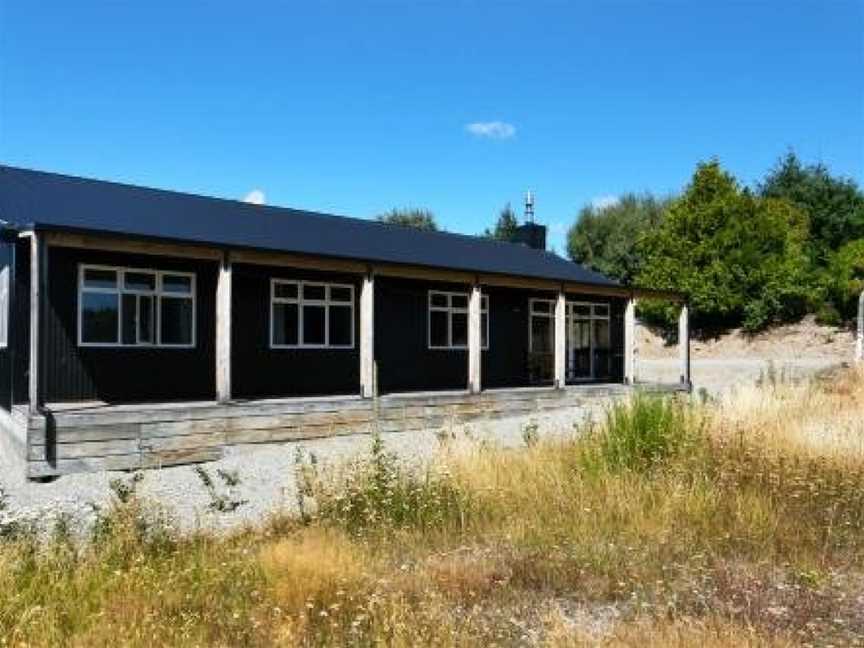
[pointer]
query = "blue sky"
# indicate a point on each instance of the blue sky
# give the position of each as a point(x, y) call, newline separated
point(354, 108)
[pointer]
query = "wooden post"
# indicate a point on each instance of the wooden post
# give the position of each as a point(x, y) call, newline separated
point(367, 336)
point(36, 250)
point(859, 341)
point(561, 341)
point(684, 345)
point(223, 330)
point(630, 342)
point(475, 340)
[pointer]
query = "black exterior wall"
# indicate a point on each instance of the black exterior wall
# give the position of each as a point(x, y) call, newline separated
point(7, 355)
point(506, 362)
point(405, 363)
point(19, 323)
point(123, 374)
point(257, 371)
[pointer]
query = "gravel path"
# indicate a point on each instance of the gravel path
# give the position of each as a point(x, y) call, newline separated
point(266, 473)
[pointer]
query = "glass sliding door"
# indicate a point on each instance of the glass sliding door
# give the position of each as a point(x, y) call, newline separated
point(579, 342)
point(589, 348)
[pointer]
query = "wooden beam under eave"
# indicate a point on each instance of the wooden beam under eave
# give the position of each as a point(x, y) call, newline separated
point(299, 261)
point(130, 246)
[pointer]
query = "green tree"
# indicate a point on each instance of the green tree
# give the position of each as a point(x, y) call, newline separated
point(605, 238)
point(505, 226)
point(834, 205)
point(844, 279)
point(421, 219)
point(740, 258)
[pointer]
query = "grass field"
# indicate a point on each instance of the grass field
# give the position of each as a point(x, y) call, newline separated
point(732, 522)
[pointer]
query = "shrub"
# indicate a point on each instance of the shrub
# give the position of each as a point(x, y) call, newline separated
point(643, 433)
point(379, 491)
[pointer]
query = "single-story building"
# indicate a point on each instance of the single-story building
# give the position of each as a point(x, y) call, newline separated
point(143, 327)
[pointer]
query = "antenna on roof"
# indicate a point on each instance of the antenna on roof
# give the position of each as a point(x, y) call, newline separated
point(529, 207)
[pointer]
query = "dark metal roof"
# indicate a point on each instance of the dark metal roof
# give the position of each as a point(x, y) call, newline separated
point(49, 201)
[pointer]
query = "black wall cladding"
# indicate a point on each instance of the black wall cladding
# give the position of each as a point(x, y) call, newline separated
point(257, 371)
point(124, 374)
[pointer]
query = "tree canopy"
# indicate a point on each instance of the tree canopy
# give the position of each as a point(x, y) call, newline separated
point(605, 238)
point(505, 226)
point(834, 205)
point(739, 257)
point(421, 219)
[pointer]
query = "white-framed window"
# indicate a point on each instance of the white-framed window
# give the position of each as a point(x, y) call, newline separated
point(448, 320)
point(542, 326)
point(4, 307)
point(126, 307)
point(311, 315)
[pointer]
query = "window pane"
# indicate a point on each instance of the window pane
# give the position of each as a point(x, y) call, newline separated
point(581, 311)
point(438, 329)
point(340, 326)
point(313, 292)
point(340, 294)
point(541, 307)
point(100, 278)
point(130, 305)
point(541, 334)
point(460, 329)
point(145, 319)
point(459, 301)
point(139, 281)
point(99, 317)
point(176, 321)
point(177, 284)
point(285, 290)
point(313, 324)
point(601, 334)
point(601, 310)
point(285, 325)
point(437, 299)
point(484, 329)
point(484, 303)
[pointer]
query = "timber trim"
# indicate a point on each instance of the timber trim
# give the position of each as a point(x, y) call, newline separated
point(130, 246)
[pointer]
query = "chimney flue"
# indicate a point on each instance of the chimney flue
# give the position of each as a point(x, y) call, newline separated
point(529, 207)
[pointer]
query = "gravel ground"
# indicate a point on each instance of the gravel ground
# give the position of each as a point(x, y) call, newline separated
point(266, 473)
point(266, 476)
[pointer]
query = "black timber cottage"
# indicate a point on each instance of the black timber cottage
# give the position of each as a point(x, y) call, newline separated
point(143, 327)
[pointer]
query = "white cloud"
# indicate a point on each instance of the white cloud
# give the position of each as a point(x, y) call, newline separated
point(601, 202)
point(256, 197)
point(492, 129)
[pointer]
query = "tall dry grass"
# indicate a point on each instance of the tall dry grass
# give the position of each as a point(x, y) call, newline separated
point(735, 522)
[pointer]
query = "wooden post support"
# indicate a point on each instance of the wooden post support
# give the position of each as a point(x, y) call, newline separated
point(684, 345)
point(561, 340)
point(36, 250)
point(223, 330)
point(475, 340)
point(367, 337)
point(630, 342)
point(859, 341)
